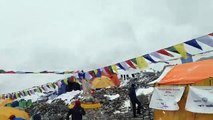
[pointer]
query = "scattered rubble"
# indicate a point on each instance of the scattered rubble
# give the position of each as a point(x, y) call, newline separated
point(114, 109)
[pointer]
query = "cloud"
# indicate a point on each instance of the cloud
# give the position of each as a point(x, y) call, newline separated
point(74, 35)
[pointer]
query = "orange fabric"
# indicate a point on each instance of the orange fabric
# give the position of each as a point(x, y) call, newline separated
point(189, 73)
point(115, 79)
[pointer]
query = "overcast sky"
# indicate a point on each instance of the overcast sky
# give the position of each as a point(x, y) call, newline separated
point(61, 35)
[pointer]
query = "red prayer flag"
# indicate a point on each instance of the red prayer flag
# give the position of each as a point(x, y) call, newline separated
point(164, 52)
point(107, 70)
point(129, 62)
point(10, 72)
point(92, 74)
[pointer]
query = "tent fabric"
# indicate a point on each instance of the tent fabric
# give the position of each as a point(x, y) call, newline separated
point(6, 112)
point(163, 74)
point(115, 79)
point(189, 73)
point(102, 82)
point(3, 102)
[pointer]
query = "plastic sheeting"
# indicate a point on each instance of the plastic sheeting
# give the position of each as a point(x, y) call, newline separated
point(189, 73)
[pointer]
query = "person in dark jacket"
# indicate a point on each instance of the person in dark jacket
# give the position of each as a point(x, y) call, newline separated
point(77, 111)
point(134, 100)
point(72, 86)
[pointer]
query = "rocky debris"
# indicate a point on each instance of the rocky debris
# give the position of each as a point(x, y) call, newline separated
point(114, 109)
point(110, 106)
point(94, 114)
point(57, 110)
point(111, 109)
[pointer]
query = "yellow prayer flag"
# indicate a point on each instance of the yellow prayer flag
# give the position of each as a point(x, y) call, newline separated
point(17, 95)
point(115, 68)
point(141, 62)
point(96, 71)
point(51, 85)
point(66, 81)
point(181, 49)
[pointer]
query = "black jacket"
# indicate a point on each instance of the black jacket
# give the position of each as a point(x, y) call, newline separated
point(76, 113)
point(132, 94)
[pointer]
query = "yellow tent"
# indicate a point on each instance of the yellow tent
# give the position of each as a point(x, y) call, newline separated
point(102, 82)
point(184, 75)
point(6, 112)
point(3, 102)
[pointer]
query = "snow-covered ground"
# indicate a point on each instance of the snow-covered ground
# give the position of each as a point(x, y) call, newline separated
point(67, 97)
point(124, 83)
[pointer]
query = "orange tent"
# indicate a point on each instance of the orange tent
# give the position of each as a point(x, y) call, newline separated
point(6, 112)
point(115, 79)
point(189, 73)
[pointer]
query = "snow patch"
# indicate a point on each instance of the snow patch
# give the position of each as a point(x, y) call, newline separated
point(125, 106)
point(67, 97)
point(124, 83)
point(127, 103)
point(112, 97)
point(116, 112)
point(144, 91)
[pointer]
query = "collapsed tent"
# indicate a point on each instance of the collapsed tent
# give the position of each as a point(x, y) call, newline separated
point(3, 102)
point(105, 81)
point(115, 79)
point(6, 112)
point(185, 75)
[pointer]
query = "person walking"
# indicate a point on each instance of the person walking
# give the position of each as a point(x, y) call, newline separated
point(134, 100)
point(77, 111)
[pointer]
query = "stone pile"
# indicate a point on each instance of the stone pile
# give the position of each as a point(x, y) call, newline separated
point(111, 109)
point(111, 106)
point(57, 110)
